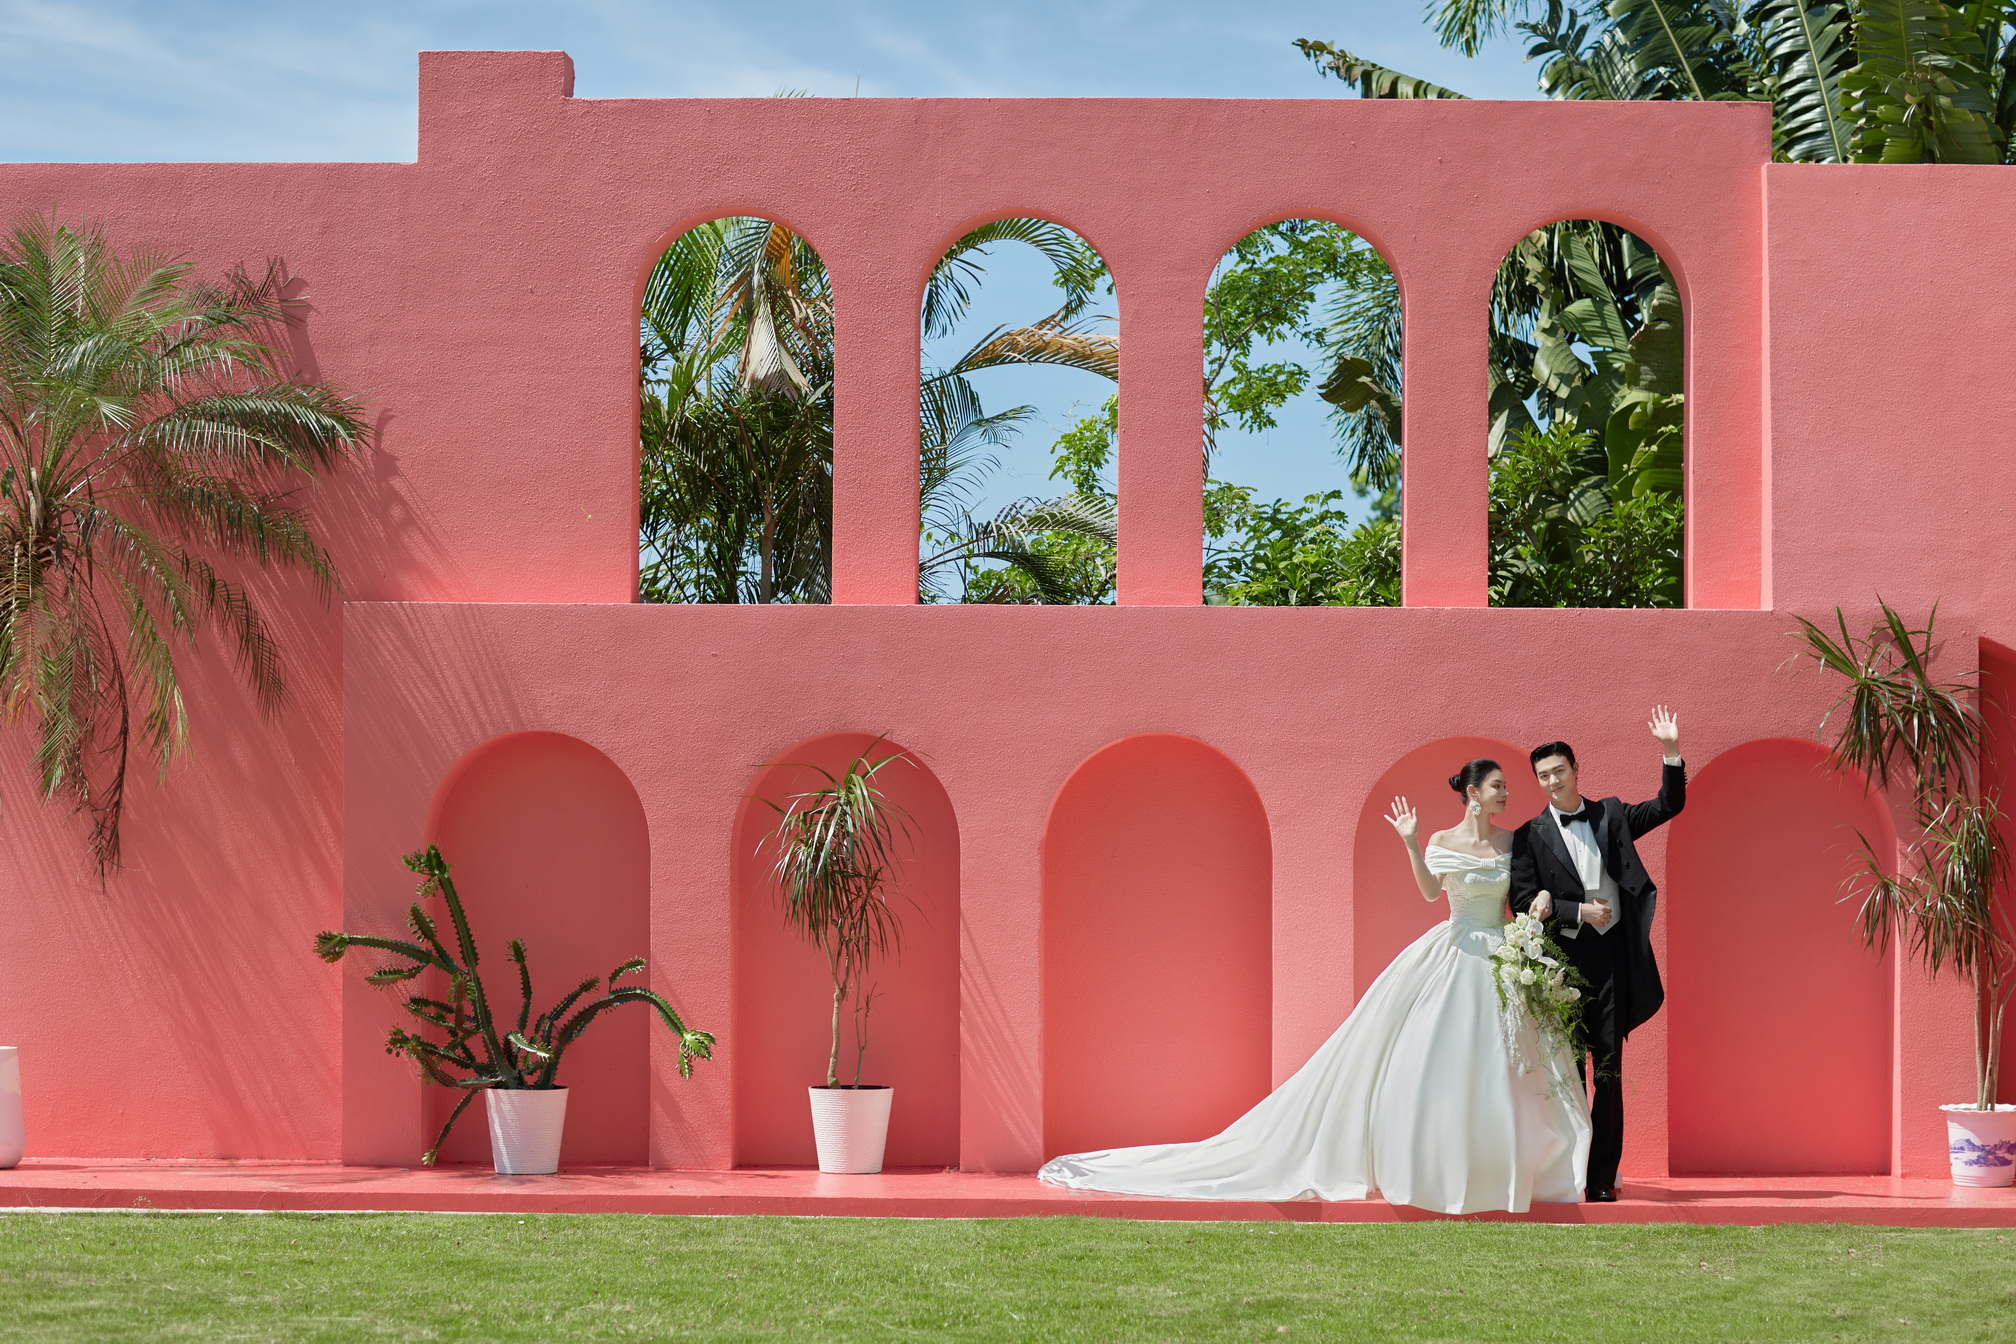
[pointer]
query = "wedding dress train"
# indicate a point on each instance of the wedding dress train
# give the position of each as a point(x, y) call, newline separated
point(1417, 1098)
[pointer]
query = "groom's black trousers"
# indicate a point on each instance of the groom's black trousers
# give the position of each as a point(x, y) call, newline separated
point(1601, 959)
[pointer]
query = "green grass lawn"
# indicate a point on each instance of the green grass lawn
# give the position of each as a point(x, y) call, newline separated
point(116, 1276)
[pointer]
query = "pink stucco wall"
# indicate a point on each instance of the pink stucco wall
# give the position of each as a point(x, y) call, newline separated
point(1848, 399)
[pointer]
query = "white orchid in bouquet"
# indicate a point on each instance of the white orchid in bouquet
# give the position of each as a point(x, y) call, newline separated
point(1537, 984)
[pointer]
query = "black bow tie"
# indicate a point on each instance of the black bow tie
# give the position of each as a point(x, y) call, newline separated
point(1590, 813)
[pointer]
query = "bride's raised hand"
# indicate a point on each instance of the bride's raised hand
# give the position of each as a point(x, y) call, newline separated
point(1402, 817)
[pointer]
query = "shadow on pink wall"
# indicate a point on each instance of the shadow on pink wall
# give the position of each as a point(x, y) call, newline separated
point(1780, 1020)
point(1157, 946)
point(783, 995)
point(1387, 910)
point(549, 844)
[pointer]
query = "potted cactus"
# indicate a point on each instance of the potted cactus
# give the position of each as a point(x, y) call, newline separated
point(460, 1045)
point(835, 870)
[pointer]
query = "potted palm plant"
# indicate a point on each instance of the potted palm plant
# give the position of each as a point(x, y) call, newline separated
point(1899, 721)
point(834, 873)
point(515, 1066)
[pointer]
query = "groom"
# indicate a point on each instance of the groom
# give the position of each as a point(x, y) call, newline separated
point(1576, 866)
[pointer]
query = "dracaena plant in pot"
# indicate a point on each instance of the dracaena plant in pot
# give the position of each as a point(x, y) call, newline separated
point(835, 874)
point(462, 1043)
point(1946, 902)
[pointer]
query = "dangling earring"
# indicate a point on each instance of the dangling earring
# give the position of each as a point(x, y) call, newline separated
point(1475, 807)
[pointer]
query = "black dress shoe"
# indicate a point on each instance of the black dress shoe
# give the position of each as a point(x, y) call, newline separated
point(1602, 1194)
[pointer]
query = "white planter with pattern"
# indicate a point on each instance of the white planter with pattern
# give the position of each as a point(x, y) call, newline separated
point(850, 1127)
point(1982, 1145)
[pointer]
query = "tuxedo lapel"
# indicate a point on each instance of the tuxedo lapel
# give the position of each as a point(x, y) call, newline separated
point(1550, 838)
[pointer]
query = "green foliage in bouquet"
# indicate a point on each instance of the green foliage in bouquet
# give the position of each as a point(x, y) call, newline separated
point(1537, 981)
point(472, 1053)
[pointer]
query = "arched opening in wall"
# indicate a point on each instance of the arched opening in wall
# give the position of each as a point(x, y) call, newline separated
point(1157, 979)
point(1302, 421)
point(1587, 422)
point(1387, 912)
point(783, 994)
point(548, 843)
point(735, 499)
point(1773, 1003)
point(1017, 434)
point(1998, 777)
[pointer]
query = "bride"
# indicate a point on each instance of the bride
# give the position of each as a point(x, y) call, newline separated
point(1418, 1097)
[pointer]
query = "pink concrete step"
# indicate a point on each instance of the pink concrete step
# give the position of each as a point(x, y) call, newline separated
point(94, 1183)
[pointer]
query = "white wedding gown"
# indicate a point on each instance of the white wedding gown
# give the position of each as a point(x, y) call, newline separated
point(1416, 1098)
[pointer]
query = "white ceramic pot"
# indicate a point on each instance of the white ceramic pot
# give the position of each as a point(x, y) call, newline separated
point(1982, 1144)
point(13, 1138)
point(850, 1126)
point(525, 1125)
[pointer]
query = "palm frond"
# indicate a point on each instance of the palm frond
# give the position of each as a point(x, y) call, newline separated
point(1373, 80)
point(1808, 45)
point(147, 417)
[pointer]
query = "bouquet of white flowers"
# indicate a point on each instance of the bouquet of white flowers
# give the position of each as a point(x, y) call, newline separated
point(1537, 983)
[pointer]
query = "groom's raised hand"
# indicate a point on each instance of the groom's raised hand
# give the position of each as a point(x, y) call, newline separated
point(1666, 730)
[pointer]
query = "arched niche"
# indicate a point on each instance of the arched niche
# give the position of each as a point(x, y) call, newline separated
point(1387, 910)
point(1779, 1020)
point(548, 842)
point(1998, 775)
point(1157, 946)
point(783, 995)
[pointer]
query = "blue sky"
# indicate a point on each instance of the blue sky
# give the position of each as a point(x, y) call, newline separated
point(236, 80)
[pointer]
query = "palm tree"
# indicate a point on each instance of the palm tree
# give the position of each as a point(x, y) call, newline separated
point(737, 418)
point(150, 426)
point(1946, 904)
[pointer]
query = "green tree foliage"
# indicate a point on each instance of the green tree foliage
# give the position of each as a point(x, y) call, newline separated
point(737, 419)
point(1870, 81)
point(1586, 333)
point(152, 434)
point(1555, 542)
point(1054, 550)
point(1278, 554)
point(1078, 561)
point(1304, 281)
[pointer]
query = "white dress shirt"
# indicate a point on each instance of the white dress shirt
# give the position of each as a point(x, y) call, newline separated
point(1598, 887)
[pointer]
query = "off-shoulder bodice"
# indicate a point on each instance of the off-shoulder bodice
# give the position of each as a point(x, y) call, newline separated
point(1476, 887)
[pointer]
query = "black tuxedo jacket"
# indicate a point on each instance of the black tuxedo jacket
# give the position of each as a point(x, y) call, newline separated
point(1540, 862)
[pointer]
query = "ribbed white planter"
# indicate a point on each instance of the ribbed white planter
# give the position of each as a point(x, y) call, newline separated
point(525, 1125)
point(13, 1137)
point(850, 1126)
point(1982, 1145)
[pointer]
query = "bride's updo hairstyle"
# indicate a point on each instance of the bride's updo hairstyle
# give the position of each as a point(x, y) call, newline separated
point(1471, 776)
